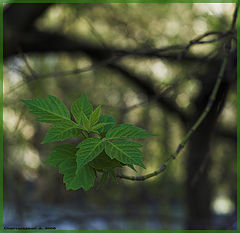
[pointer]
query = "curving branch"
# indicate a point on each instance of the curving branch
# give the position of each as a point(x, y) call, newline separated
point(227, 49)
point(192, 129)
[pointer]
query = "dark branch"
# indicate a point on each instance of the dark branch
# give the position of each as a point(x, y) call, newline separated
point(21, 17)
point(148, 89)
point(45, 42)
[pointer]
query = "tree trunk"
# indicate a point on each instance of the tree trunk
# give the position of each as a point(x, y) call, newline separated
point(198, 186)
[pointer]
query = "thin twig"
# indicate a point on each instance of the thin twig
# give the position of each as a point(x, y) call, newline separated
point(234, 21)
point(65, 73)
point(33, 74)
point(119, 54)
point(163, 92)
point(198, 40)
point(227, 49)
point(203, 164)
point(190, 132)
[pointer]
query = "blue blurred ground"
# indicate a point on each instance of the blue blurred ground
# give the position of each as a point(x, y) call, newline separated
point(69, 216)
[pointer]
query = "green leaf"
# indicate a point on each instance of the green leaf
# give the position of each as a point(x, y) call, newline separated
point(106, 119)
point(102, 162)
point(103, 179)
point(80, 164)
point(84, 178)
point(132, 167)
point(86, 122)
point(49, 110)
point(94, 117)
point(126, 152)
point(64, 158)
point(63, 132)
point(62, 153)
point(126, 131)
point(89, 149)
point(80, 106)
point(99, 125)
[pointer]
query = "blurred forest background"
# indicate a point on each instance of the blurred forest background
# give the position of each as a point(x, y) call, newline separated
point(143, 64)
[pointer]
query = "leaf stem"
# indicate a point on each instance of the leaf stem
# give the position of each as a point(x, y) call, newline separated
point(85, 134)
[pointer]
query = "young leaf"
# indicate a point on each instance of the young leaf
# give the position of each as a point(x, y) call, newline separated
point(99, 125)
point(126, 131)
point(64, 158)
point(85, 121)
point(62, 153)
point(125, 152)
point(84, 178)
point(89, 149)
point(80, 106)
point(49, 110)
point(79, 164)
point(94, 117)
point(132, 167)
point(62, 132)
point(102, 162)
point(106, 119)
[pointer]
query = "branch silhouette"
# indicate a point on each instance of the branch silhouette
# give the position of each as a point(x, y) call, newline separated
point(227, 49)
point(192, 129)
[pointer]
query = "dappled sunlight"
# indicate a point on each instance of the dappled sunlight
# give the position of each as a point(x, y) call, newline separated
point(10, 119)
point(13, 122)
point(228, 116)
point(172, 28)
point(83, 62)
point(160, 70)
point(130, 99)
point(202, 50)
point(113, 97)
point(134, 116)
point(25, 156)
point(214, 8)
point(200, 26)
point(182, 100)
point(223, 205)
point(14, 77)
point(31, 158)
point(27, 130)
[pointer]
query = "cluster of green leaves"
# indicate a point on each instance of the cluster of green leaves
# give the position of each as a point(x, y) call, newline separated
point(102, 148)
